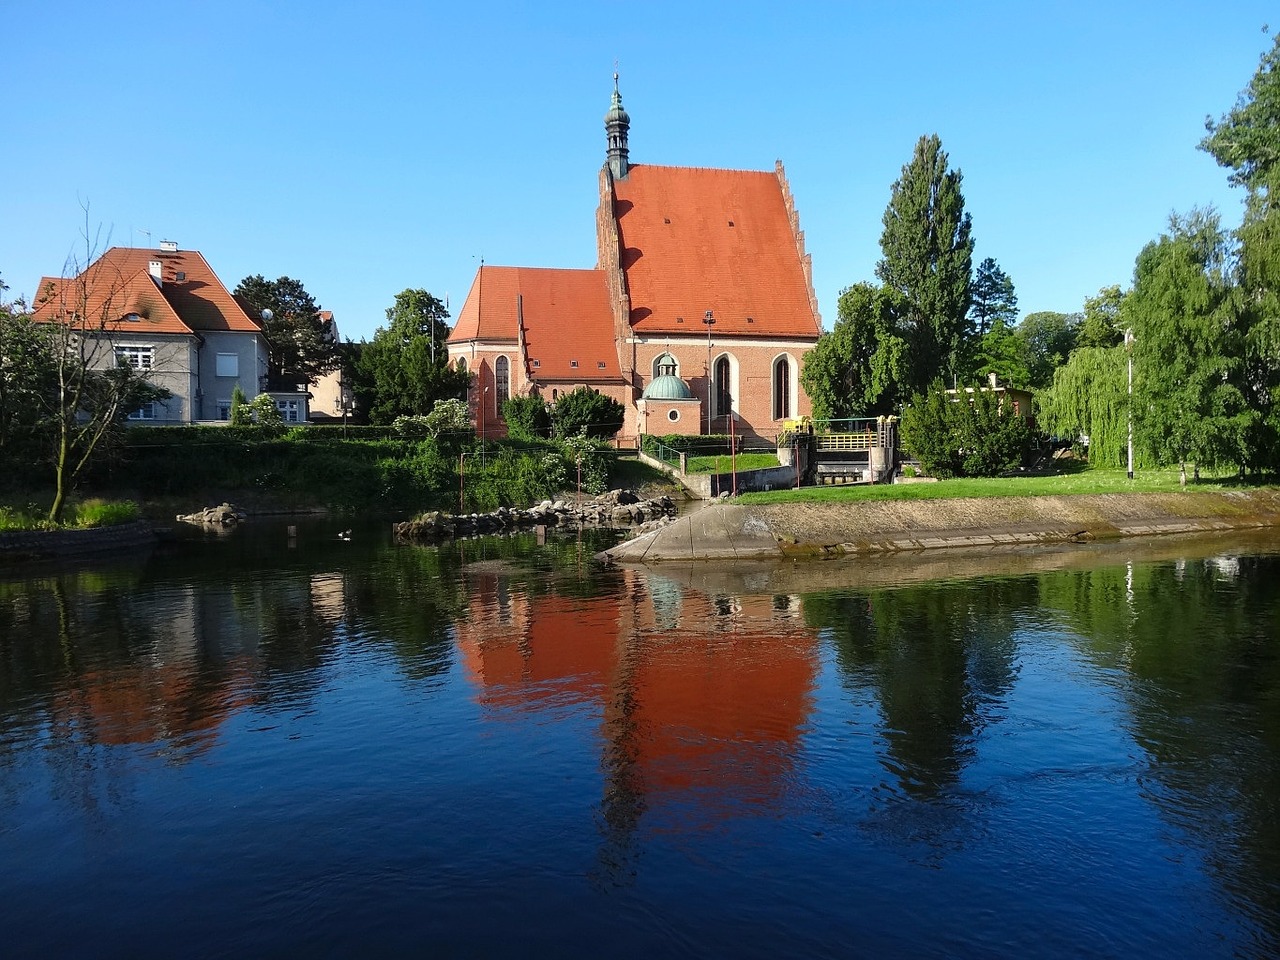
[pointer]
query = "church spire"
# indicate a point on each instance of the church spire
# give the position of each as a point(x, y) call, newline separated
point(616, 125)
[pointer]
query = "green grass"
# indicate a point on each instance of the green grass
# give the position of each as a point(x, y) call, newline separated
point(78, 516)
point(1068, 482)
point(724, 463)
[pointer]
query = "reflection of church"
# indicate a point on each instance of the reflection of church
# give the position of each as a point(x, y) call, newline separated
point(700, 308)
point(698, 723)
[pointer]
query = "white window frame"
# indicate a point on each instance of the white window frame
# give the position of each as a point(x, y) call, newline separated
point(227, 365)
point(224, 409)
point(138, 356)
point(145, 412)
point(290, 410)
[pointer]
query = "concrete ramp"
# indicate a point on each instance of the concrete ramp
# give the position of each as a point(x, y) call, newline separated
point(719, 531)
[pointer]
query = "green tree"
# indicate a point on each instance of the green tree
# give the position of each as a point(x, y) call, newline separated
point(1246, 140)
point(300, 341)
point(993, 298)
point(1187, 353)
point(404, 370)
point(854, 369)
point(972, 434)
point(1089, 398)
point(588, 412)
point(241, 412)
point(527, 418)
point(927, 260)
point(26, 380)
point(1047, 340)
point(1001, 352)
point(1102, 324)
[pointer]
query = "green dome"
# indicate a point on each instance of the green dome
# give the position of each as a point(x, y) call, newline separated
point(667, 387)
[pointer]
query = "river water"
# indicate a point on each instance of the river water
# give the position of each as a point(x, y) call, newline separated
point(252, 745)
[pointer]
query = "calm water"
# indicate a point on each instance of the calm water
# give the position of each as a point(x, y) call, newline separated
point(249, 747)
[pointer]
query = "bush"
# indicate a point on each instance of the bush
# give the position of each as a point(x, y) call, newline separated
point(104, 513)
point(966, 436)
point(586, 411)
point(528, 418)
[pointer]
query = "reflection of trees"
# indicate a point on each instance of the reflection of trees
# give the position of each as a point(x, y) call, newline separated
point(1199, 666)
point(940, 658)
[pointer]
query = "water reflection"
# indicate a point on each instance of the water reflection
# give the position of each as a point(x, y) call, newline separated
point(699, 701)
point(1083, 744)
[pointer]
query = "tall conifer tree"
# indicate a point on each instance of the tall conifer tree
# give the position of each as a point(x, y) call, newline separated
point(927, 263)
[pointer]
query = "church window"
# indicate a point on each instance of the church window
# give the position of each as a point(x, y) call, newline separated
point(782, 389)
point(502, 378)
point(724, 399)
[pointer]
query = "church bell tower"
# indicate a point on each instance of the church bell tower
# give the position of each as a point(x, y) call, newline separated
point(616, 125)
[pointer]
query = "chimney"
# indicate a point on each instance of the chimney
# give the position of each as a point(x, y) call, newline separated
point(991, 378)
point(168, 246)
point(154, 268)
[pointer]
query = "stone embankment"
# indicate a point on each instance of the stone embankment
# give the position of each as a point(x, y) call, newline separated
point(29, 546)
point(618, 508)
point(734, 531)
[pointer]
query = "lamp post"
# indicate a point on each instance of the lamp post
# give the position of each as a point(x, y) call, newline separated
point(1128, 349)
point(710, 322)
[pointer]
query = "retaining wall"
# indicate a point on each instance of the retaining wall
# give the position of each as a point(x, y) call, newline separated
point(25, 546)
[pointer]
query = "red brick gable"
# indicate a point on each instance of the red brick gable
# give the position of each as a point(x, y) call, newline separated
point(566, 318)
point(190, 297)
point(694, 239)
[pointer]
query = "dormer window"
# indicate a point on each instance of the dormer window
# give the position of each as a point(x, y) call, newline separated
point(132, 318)
point(573, 363)
point(537, 363)
point(599, 364)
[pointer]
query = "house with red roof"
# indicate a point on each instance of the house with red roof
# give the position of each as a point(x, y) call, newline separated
point(696, 317)
point(166, 312)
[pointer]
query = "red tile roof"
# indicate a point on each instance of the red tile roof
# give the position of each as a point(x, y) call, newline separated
point(696, 239)
point(118, 283)
point(566, 320)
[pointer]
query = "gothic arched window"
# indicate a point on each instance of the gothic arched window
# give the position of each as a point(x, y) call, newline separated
point(724, 399)
point(502, 380)
point(781, 389)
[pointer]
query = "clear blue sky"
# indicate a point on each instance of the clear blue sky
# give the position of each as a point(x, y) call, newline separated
point(366, 149)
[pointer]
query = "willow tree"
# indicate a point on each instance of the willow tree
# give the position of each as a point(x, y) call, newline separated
point(1089, 398)
point(927, 264)
point(1188, 353)
point(1246, 140)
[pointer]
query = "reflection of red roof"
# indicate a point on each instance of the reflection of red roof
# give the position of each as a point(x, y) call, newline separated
point(563, 654)
point(566, 314)
point(696, 239)
point(713, 717)
point(702, 721)
point(117, 284)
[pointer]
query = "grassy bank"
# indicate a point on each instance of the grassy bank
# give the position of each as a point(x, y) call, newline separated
point(1079, 480)
point(84, 515)
point(177, 470)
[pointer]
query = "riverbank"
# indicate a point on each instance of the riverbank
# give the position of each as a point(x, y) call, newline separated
point(730, 531)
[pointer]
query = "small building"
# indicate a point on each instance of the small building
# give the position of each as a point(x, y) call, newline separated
point(1020, 401)
point(164, 312)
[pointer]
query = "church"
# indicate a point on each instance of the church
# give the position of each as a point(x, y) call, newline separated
point(696, 317)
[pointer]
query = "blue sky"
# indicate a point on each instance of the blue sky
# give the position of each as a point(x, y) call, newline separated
point(366, 149)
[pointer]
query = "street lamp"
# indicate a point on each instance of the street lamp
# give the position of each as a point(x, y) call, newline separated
point(1128, 349)
point(710, 321)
